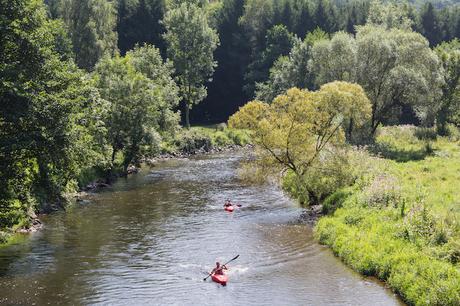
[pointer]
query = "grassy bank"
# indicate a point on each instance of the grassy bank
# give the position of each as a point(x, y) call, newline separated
point(400, 221)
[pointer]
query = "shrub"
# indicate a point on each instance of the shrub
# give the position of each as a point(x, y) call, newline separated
point(239, 137)
point(221, 139)
point(190, 142)
point(335, 200)
point(384, 191)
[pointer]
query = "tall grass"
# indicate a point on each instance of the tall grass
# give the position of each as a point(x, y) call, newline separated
point(401, 221)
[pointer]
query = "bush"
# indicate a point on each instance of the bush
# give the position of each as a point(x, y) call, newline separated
point(190, 142)
point(239, 137)
point(335, 200)
point(221, 139)
point(384, 191)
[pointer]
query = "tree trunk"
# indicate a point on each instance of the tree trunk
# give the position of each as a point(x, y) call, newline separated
point(187, 115)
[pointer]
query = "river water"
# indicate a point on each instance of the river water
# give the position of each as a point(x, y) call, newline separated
point(150, 239)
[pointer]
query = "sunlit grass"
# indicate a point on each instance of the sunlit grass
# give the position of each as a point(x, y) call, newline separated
point(413, 240)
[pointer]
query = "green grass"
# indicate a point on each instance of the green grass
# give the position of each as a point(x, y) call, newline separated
point(402, 224)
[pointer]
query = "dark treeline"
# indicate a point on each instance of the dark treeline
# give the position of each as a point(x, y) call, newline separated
point(250, 40)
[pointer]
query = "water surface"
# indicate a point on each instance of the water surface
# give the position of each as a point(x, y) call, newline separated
point(150, 239)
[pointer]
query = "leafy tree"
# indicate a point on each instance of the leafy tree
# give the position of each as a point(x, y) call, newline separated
point(395, 67)
point(141, 95)
point(294, 130)
point(191, 44)
point(292, 71)
point(389, 15)
point(305, 22)
point(449, 55)
point(91, 24)
point(256, 20)
point(324, 16)
point(46, 109)
point(343, 50)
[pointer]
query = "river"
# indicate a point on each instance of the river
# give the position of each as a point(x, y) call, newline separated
point(150, 239)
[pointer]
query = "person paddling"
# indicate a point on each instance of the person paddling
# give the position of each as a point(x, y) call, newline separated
point(218, 270)
point(228, 203)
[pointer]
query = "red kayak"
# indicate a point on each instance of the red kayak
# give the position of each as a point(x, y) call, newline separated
point(229, 208)
point(220, 279)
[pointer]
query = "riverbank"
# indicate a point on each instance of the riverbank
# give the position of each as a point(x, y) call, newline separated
point(198, 140)
point(401, 223)
point(136, 234)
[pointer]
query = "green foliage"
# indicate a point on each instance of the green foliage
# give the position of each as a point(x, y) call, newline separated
point(91, 24)
point(390, 15)
point(141, 96)
point(389, 139)
point(190, 142)
point(191, 44)
point(46, 118)
point(302, 132)
point(449, 55)
point(392, 75)
point(401, 222)
point(278, 42)
point(335, 200)
point(292, 71)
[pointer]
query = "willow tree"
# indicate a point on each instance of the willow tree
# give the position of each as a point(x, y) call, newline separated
point(395, 67)
point(191, 45)
point(292, 132)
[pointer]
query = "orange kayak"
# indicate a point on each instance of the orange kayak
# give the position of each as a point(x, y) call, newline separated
point(229, 208)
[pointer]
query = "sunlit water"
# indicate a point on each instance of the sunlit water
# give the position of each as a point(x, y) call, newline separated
point(151, 238)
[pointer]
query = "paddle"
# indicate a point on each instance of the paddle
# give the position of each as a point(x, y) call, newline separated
point(223, 265)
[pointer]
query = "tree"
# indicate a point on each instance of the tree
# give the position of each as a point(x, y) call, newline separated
point(343, 50)
point(324, 16)
point(291, 71)
point(395, 67)
point(141, 96)
point(449, 55)
point(191, 44)
point(430, 27)
point(279, 42)
point(389, 15)
point(91, 24)
point(293, 132)
point(46, 109)
point(305, 22)
point(225, 93)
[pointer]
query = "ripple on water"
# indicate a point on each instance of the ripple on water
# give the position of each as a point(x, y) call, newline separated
point(153, 237)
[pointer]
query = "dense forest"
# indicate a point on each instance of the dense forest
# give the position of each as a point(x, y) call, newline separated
point(90, 88)
point(250, 32)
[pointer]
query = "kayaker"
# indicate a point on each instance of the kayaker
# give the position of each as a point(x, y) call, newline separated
point(227, 203)
point(219, 269)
